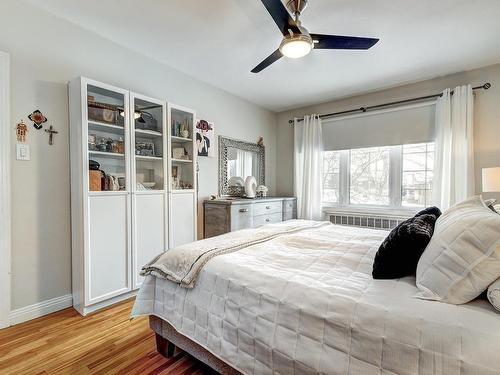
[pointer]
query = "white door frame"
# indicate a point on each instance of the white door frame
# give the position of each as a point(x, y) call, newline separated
point(5, 225)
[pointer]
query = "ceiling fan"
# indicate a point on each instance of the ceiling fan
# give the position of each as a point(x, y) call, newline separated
point(297, 41)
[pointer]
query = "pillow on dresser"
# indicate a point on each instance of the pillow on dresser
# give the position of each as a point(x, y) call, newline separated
point(463, 256)
point(398, 255)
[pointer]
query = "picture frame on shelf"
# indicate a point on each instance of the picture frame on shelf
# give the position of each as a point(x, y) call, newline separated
point(178, 153)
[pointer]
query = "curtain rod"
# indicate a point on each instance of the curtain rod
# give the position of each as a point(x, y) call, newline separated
point(486, 86)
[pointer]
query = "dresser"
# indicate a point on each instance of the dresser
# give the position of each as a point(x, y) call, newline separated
point(230, 214)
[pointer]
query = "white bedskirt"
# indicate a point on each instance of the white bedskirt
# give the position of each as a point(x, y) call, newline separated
point(306, 303)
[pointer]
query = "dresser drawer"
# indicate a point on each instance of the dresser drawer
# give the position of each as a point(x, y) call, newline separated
point(267, 208)
point(241, 216)
point(266, 219)
point(289, 206)
point(288, 215)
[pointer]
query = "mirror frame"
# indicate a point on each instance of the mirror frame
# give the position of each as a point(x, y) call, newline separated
point(224, 144)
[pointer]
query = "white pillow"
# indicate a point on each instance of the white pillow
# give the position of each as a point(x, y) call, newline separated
point(463, 256)
point(494, 294)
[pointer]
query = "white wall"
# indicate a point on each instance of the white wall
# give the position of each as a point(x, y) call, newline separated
point(486, 119)
point(47, 52)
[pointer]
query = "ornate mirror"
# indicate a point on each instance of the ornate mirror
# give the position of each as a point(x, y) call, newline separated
point(240, 159)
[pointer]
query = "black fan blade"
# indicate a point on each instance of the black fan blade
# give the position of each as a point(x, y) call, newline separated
point(281, 16)
point(275, 56)
point(342, 42)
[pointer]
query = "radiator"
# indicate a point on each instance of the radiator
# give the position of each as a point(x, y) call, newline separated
point(366, 220)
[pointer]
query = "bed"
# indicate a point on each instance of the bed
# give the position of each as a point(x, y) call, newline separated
point(305, 303)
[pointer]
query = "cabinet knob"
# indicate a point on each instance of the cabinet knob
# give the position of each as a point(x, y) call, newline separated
point(268, 207)
point(243, 209)
point(267, 220)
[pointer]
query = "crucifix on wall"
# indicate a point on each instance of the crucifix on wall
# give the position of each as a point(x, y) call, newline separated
point(51, 132)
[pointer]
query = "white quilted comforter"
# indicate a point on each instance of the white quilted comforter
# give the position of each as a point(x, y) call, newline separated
point(306, 303)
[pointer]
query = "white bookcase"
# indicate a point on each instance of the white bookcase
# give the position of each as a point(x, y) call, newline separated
point(120, 225)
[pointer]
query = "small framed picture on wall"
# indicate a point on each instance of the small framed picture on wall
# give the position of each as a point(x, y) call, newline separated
point(205, 136)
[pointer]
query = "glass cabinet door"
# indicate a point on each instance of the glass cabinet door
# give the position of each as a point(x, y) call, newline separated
point(182, 156)
point(107, 122)
point(148, 143)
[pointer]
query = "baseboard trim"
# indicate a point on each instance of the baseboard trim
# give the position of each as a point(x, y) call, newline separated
point(106, 303)
point(37, 310)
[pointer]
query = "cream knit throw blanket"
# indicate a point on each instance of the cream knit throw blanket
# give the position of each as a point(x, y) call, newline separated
point(183, 264)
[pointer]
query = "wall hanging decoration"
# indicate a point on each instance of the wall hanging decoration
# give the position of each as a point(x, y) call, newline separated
point(38, 119)
point(51, 132)
point(21, 132)
point(205, 138)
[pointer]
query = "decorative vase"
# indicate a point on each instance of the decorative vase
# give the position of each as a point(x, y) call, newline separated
point(185, 134)
point(250, 186)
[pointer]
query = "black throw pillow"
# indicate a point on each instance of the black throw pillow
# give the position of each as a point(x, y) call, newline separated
point(430, 211)
point(399, 253)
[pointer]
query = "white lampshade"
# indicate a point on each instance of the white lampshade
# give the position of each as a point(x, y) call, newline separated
point(491, 179)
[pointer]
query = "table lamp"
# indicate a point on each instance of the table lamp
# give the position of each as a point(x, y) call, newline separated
point(491, 179)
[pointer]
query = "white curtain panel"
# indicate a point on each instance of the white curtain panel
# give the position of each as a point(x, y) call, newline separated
point(308, 167)
point(454, 159)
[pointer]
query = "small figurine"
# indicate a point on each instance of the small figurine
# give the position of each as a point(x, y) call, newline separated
point(21, 131)
point(260, 142)
point(262, 191)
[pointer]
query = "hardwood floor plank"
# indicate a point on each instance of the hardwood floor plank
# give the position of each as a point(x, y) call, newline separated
point(106, 342)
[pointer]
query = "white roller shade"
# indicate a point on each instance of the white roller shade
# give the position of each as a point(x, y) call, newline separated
point(397, 126)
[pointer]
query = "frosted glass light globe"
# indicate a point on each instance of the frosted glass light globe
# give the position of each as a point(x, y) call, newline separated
point(296, 47)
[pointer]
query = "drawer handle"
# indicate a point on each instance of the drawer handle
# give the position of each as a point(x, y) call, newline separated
point(243, 209)
point(267, 220)
point(268, 207)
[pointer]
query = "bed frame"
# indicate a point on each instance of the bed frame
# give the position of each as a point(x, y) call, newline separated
point(167, 339)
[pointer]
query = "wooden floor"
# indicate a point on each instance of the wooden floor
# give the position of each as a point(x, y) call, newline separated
point(106, 342)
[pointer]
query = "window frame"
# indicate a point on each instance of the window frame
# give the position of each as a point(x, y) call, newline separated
point(395, 186)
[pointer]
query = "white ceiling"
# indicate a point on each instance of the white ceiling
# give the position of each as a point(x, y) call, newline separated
point(220, 41)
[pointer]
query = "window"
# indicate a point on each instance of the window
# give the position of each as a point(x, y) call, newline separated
point(392, 176)
point(331, 171)
point(369, 176)
point(418, 164)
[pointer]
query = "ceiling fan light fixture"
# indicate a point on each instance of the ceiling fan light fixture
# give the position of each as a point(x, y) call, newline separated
point(297, 41)
point(297, 46)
